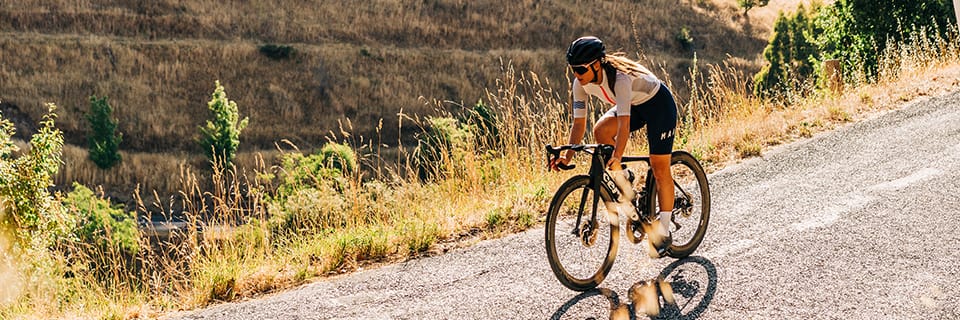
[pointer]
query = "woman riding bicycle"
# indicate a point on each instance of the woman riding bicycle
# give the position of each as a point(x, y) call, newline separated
point(639, 98)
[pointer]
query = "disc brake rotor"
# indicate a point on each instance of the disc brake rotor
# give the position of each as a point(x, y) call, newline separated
point(588, 233)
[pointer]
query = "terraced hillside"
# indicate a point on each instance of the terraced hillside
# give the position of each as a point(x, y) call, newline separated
point(359, 61)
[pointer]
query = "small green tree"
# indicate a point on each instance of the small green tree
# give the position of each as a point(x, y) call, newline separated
point(790, 54)
point(749, 4)
point(104, 141)
point(220, 138)
point(26, 204)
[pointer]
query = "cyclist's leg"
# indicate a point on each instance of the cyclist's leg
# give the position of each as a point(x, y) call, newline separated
point(661, 114)
point(605, 131)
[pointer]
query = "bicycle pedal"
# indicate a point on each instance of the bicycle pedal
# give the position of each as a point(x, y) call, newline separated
point(633, 227)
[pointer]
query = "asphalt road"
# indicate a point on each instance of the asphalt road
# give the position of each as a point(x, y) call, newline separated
point(858, 223)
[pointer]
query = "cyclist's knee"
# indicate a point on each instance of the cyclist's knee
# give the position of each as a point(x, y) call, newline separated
point(661, 166)
point(605, 130)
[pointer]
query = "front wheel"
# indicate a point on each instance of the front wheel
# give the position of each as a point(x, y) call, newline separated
point(580, 250)
point(691, 208)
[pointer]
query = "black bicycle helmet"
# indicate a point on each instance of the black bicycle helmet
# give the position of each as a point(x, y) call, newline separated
point(585, 49)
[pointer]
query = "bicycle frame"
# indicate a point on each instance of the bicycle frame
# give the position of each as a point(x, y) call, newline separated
point(600, 180)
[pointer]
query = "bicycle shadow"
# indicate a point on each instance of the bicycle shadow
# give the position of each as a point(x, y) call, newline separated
point(694, 282)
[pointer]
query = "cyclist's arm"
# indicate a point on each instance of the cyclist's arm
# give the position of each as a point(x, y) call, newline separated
point(624, 91)
point(624, 132)
point(577, 131)
point(579, 111)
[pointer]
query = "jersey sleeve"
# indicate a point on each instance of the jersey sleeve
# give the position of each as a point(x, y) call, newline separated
point(623, 90)
point(579, 101)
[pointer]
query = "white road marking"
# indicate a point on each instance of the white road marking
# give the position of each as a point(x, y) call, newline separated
point(832, 213)
point(919, 176)
point(734, 247)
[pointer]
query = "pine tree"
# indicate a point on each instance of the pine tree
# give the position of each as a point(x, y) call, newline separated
point(104, 140)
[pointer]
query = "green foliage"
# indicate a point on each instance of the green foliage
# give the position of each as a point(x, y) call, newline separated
point(220, 138)
point(443, 141)
point(277, 52)
point(790, 54)
point(325, 168)
point(310, 195)
point(483, 121)
point(854, 31)
point(104, 141)
point(339, 157)
point(858, 31)
point(750, 4)
point(100, 223)
point(684, 39)
point(25, 202)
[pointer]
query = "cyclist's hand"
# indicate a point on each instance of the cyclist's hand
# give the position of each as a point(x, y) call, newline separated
point(561, 160)
point(614, 164)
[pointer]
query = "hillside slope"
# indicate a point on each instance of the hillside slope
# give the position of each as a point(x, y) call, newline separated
point(363, 62)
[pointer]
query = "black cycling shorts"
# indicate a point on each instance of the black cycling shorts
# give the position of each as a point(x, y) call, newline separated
point(659, 114)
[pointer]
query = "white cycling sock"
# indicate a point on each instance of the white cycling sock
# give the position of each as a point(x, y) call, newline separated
point(665, 219)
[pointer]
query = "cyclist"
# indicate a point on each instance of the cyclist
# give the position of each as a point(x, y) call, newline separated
point(639, 98)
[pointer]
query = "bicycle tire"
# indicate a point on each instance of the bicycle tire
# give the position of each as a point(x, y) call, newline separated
point(693, 178)
point(566, 268)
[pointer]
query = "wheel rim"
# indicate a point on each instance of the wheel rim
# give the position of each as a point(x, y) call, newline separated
point(688, 207)
point(581, 254)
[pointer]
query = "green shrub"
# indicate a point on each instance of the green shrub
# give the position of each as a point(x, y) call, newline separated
point(484, 122)
point(277, 52)
point(325, 168)
point(443, 141)
point(791, 55)
point(339, 157)
point(104, 140)
point(685, 39)
point(309, 195)
point(100, 223)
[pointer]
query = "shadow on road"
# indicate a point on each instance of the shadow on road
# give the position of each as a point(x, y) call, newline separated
point(693, 281)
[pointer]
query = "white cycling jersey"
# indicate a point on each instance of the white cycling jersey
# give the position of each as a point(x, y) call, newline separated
point(629, 90)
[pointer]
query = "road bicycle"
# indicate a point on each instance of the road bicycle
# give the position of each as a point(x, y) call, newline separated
point(575, 228)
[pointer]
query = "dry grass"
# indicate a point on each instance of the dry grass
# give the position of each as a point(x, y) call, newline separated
point(157, 63)
point(380, 214)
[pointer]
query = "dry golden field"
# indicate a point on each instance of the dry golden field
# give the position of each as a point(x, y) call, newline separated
point(362, 62)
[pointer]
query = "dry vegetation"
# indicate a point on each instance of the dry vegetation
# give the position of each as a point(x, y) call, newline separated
point(351, 65)
point(157, 61)
point(364, 62)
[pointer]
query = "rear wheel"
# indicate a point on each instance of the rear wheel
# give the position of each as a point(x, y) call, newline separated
point(691, 208)
point(580, 254)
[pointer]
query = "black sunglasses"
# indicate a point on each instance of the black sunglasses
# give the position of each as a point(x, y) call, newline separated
point(579, 69)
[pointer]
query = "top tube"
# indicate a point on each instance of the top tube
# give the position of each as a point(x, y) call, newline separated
point(591, 149)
